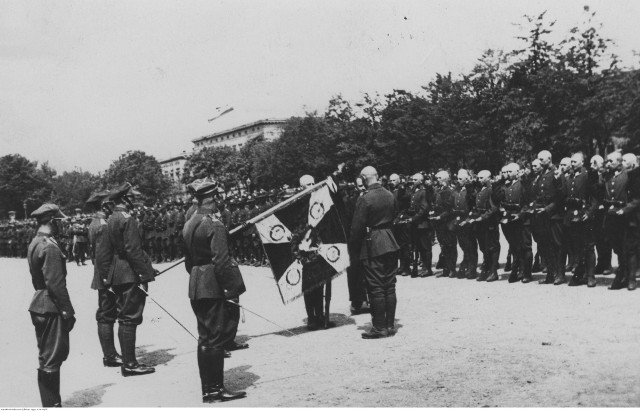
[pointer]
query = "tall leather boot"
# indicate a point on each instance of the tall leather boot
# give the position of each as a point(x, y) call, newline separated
point(631, 271)
point(215, 391)
point(130, 366)
point(110, 358)
point(537, 264)
point(390, 310)
point(493, 268)
point(205, 370)
point(425, 257)
point(49, 386)
point(378, 318)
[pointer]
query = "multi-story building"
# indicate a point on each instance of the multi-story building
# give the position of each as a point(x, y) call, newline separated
point(237, 137)
point(173, 168)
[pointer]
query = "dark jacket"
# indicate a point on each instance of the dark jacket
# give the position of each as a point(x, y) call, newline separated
point(129, 263)
point(419, 208)
point(213, 272)
point(47, 265)
point(102, 252)
point(548, 192)
point(376, 209)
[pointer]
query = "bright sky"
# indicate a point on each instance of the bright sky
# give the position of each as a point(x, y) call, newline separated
point(82, 82)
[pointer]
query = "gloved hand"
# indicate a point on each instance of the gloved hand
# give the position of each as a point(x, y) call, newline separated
point(69, 322)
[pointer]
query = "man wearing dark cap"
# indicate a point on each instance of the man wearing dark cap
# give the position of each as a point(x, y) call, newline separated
point(130, 267)
point(107, 312)
point(51, 311)
point(214, 278)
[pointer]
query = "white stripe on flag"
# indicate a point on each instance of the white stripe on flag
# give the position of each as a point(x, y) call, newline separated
point(336, 255)
point(319, 204)
point(290, 284)
point(272, 231)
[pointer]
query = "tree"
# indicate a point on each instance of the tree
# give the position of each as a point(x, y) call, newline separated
point(72, 189)
point(142, 171)
point(22, 181)
point(219, 163)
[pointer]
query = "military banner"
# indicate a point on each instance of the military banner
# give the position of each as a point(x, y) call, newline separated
point(304, 241)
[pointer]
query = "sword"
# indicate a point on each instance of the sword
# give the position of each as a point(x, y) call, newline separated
point(163, 309)
point(266, 319)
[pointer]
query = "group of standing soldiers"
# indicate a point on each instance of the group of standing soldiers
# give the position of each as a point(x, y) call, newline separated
point(570, 211)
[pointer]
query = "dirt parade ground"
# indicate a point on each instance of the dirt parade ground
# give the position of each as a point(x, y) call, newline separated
point(461, 343)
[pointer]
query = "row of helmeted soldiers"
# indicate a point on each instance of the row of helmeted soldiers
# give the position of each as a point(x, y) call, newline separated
point(570, 211)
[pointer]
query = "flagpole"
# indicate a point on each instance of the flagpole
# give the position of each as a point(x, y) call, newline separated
point(279, 206)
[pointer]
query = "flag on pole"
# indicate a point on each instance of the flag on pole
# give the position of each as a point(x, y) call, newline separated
point(221, 111)
point(305, 243)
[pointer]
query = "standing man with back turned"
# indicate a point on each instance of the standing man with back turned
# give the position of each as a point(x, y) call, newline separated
point(372, 242)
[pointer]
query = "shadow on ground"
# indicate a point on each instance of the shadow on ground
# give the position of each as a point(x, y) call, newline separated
point(239, 379)
point(154, 358)
point(367, 326)
point(87, 398)
point(339, 320)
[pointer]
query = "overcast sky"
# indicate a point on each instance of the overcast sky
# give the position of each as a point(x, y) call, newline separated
point(81, 82)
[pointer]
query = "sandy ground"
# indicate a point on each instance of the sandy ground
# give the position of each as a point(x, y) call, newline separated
point(460, 343)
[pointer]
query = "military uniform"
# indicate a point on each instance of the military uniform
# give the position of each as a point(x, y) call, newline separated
point(463, 202)
point(420, 230)
point(548, 195)
point(130, 266)
point(580, 206)
point(622, 229)
point(107, 311)
point(214, 277)
point(52, 313)
point(487, 232)
point(372, 242)
point(516, 226)
point(443, 218)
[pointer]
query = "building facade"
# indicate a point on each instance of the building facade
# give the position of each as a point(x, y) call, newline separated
point(173, 169)
point(237, 137)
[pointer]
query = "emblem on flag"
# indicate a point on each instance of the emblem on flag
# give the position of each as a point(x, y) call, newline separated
point(304, 241)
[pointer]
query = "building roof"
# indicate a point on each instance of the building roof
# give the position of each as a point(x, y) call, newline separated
point(174, 158)
point(239, 128)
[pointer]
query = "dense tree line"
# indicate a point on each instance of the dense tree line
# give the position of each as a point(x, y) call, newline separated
point(24, 183)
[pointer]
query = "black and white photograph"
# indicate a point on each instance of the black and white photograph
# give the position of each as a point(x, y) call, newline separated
point(327, 204)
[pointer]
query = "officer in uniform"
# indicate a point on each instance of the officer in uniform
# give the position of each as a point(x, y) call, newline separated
point(51, 310)
point(130, 267)
point(580, 206)
point(214, 278)
point(486, 227)
point(548, 196)
point(401, 227)
point(603, 247)
point(443, 218)
point(313, 300)
point(620, 211)
point(107, 311)
point(463, 202)
point(516, 224)
point(372, 242)
point(420, 228)
point(80, 240)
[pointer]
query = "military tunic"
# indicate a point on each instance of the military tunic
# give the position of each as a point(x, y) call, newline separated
point(52, 313)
